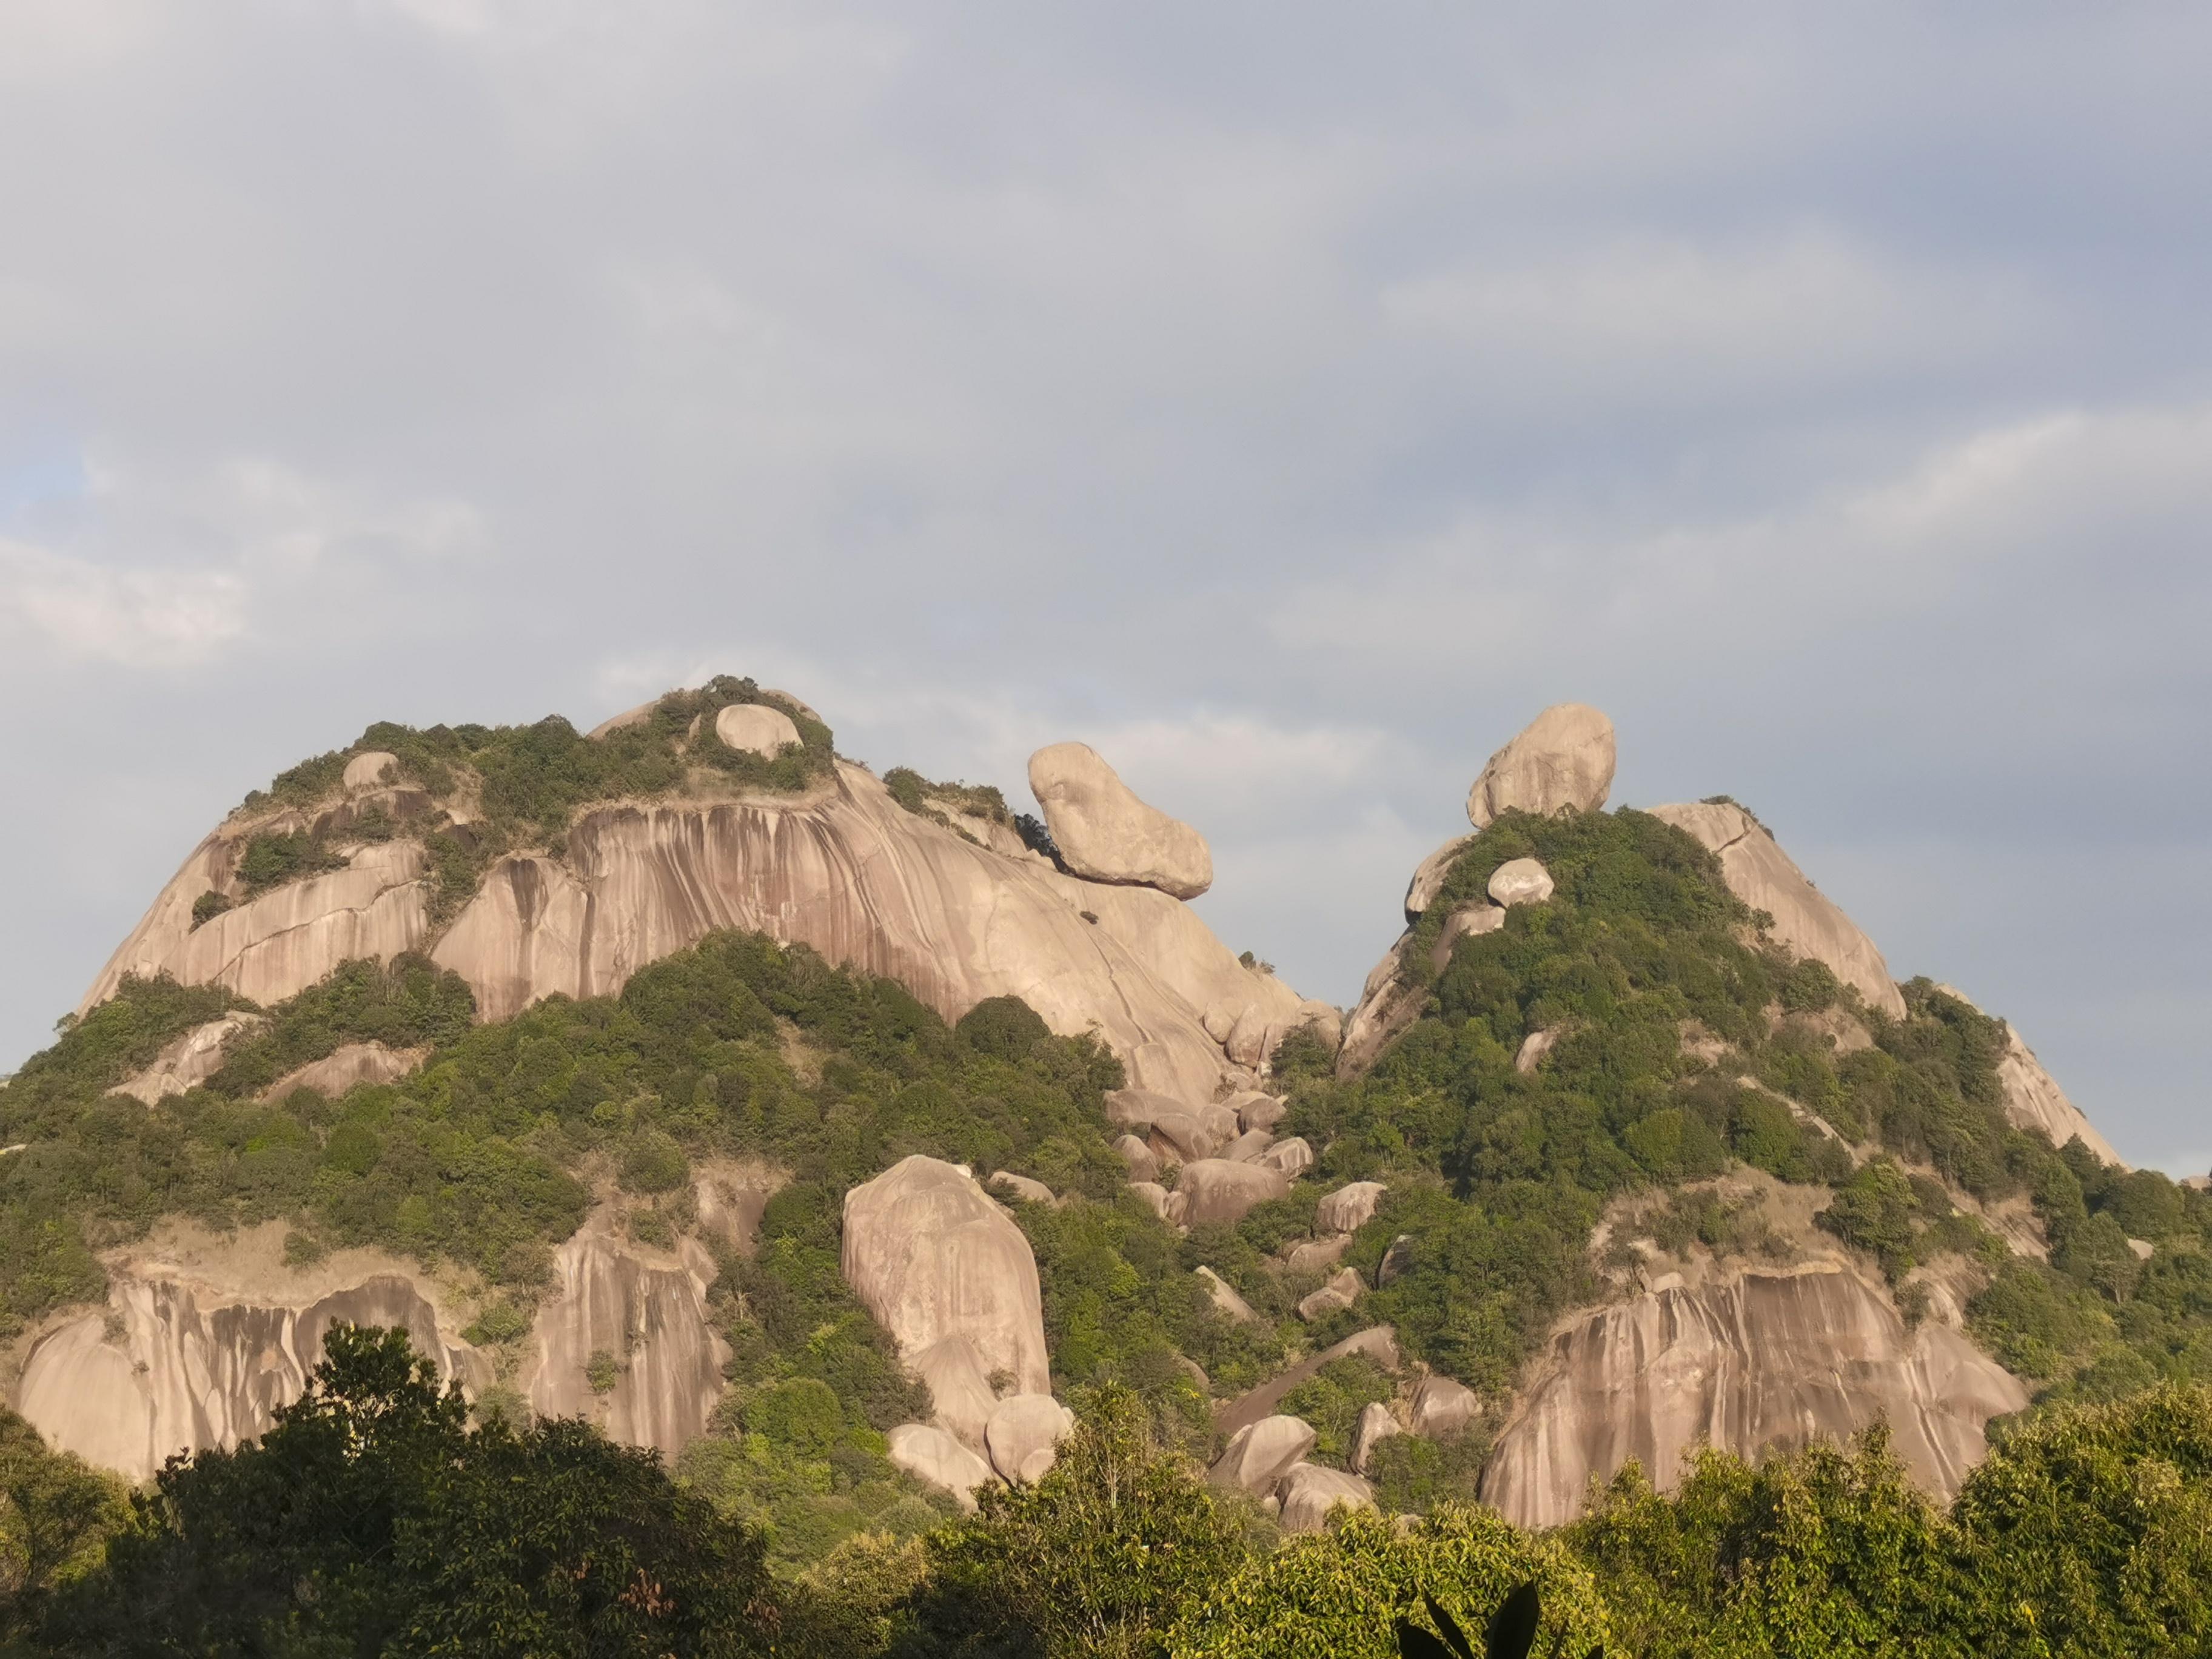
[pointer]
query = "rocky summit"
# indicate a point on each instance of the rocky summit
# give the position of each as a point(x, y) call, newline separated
point(833, 1133)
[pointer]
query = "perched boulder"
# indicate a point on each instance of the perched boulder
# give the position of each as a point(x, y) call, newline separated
point(188, 1062)
point(1443, 1408)
point(1225, 1296)
point(1168, 1205)
point(1141, 1161)
point(346, 1065)
point(1104, 832)
point(1562, 761)
point(937, 1262)
point(1350, 1207)
point(370, 769)
point(1376, 1425)
point(1428, 876)
point(934, 1457)
point(1317, 1256)
point(1257, 1111)
point(1520, 881)
point(1214, 1189)
point(755, 729)
point(1258, 1456)
point(1247, 1146)
point(1293, 1158)
point(1807, 922)
point(1021, 1187)
point(1310, 1493)
point(1341, 1291)
point(1023, 1432)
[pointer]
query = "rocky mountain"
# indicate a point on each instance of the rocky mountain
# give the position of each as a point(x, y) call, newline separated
point(826, 1131)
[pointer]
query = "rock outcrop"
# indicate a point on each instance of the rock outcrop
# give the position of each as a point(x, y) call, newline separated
point(1309, 1491)
point(346, 1065)
point(937, 1459)
point(948, 1273)
point(755, 729)
point(2034, 1100)
point(370, 769)
point(1520, 881)
point(1428, 876)
point(1806, 921)
point(189, 1062)
point(1103, 831)
point(1443, 1407)
point(1260, 1454)
point(647, 1311)
point(1350, 1207)
point(197, 1352)
point(1761, 1361)
point(1561, 761)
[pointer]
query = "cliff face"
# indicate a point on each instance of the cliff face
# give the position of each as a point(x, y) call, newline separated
point(179, 1360)
point(1749, 1363)
point(844, 869)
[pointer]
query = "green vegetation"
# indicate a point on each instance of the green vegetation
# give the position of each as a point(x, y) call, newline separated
point(919, 796)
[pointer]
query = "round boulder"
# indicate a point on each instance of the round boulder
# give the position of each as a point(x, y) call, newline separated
point(934, 1457)
point(1562, 761)
point(368, 770)
point(1106, 833)
point(1259, 1455)
point(1350, 1207)
point(755, 729)
point(1214, 1189)
point(1311, 1491)
point(1429, 877)
point(1520, 881)
point(1022, 1433)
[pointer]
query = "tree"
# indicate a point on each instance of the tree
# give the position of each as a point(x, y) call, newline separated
point(1098, 1557)
point(372, 1520)
point(55, 1513)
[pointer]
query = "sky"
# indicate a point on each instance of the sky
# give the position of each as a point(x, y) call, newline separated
point(1288, 400)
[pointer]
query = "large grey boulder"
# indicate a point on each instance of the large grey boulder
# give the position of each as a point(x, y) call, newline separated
point(1428, 876)
point(932, 1455)
point(1105, 832)
point(1520, 881)
point(369, 770)
point(1023, 1434)
point(1533, 1047)
point(1225, 1296)
point(947, 1272)
point(1259, 1455)
point(1021, 1187)
point(1350, 1207)
point(1807, 922)
point(1255, 1110)
point(1469, 921)
point(1309, 1491)
point(1247, 1146)
point(1443, 1408)
point(755, 729)
point(1141, 1161)
point(1376, 1425)
point(1562, 761)
point(1343, 1289)
point(189, 1060)
point(1214, 1189)
point(1293, 1158)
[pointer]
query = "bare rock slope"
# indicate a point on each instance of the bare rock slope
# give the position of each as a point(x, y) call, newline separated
point(1750, 1362)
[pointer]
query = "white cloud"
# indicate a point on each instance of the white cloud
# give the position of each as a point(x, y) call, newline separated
point(132, 618)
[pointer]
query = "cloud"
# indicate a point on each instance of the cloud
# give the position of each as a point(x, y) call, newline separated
point(128, 618)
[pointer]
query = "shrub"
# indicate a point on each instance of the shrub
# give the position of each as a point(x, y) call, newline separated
point(1002, 1027)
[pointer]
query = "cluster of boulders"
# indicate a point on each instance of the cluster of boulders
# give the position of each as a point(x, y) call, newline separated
point(1225, 1152)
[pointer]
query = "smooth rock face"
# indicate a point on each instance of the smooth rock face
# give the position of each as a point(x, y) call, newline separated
point(1021, 1187)
point(1350, 1207)
point(1764, 1362)
point(1806, 921)
point(1140, 1160)
point(1341, 1291)
point(346, 1065)
point(189, 1062)
point(1376, 1425)
point(872, 887)
point(1214, 1189)
point(1561, 761)
point(961, 1396)
point(1386, 1006)
point(2033, 1099)
point(1520, 881)
point(370, 769)
point(648, 1309)
point(1105, 832)
point(1428, 876)
point(937, 1262)
point(1533, 1047)
point(278, 944)
point(1443, 1407)
point(198, 1366)
point(1292, 1157)
point(755, 728)
point(1259, 1456)
point(1311, 1491)
point(930, 1455)
point(1225, 1296)
point(1024, 1433)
